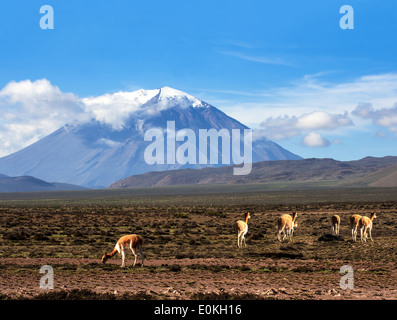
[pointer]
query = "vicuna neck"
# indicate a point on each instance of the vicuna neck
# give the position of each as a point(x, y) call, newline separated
point(112, 253)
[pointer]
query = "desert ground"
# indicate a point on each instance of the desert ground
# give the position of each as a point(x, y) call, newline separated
point(191, 247)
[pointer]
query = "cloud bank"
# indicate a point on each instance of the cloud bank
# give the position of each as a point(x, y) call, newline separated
point(285, 127)
point(311, 93)
point(30, 110)
point(305, 107)
point(385, 117)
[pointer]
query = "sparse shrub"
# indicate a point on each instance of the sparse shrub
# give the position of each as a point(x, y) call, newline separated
point(225, 296)
point(330, 237)
point(184, 255)
point(181, 215)
point(257, 236)
point(175, 268)
point(16, 235)
point(86, 294)
point(40, 237)
point(304, 269)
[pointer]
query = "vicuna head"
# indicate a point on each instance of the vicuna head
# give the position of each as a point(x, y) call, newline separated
point(105, 257)
point(373, 215)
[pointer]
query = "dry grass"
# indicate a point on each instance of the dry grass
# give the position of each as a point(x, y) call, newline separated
point(196, 238)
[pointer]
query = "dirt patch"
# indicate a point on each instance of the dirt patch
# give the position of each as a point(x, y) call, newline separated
point(198, 278)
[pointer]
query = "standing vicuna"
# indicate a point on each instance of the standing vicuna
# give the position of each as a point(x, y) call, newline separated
point(133, 242)
point(354, 222)
point(335, 224)
point(286, 224)
point(241, 228)
point(366, 225)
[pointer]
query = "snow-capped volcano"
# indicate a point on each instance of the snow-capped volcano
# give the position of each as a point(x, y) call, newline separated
point(172, 97)
point(111, 146)
point(114, 109)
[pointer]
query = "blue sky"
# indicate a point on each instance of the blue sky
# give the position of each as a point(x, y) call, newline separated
point(283, 67)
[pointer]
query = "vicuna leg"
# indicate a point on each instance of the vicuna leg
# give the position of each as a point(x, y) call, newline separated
point(355, 234)
point(279, 235)
point(142, 255)
point(245, 244)
point(292, 233)
point(238, 239)
point(134, 253)
point(364, 235)
point(370, 233)
point(122, 258)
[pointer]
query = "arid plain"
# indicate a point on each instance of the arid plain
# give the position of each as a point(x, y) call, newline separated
point(190, 245)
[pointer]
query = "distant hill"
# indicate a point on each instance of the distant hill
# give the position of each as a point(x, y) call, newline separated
point(28, 183)
point(368, 171)
point(385, 177)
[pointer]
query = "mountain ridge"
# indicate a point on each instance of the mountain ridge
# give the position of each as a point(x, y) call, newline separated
point(29, 183)
point(343, 173)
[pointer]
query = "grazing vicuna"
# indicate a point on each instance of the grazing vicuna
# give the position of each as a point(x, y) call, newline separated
point(354, 222)
point(133, 242)
point(241, 228)
point(286, 224)
point(335, 224)
point(366, 225)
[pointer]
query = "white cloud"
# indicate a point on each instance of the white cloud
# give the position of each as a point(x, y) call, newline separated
point(323, 120)
point(385, 117)
point(115, 108)
point(108, 142)
point(284, 127)
point(311, 93)
point(314, 139)
point(30, 110)
point(280, 128)
point(38, 98)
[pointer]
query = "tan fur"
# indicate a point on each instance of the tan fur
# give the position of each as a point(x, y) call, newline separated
point(354, 222)
point(131, 241)
point(241, 228)
point(335, 224)
point(366, 225)
point(286, 224)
